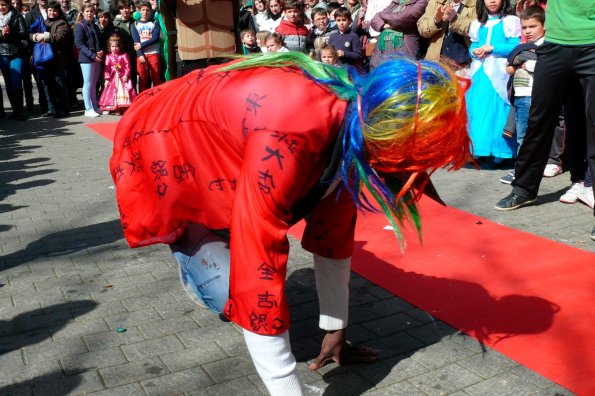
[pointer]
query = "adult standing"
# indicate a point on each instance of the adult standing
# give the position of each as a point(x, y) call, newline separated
point(398, 26)
point(205, 31)
point(12, 52)
point(446, 25)
point(69, 12)
point(58, 35)
point(86, 40)
point(565, 72)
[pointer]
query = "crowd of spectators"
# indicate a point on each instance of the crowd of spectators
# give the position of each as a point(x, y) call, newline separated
point(64, 49)
point(113, 54)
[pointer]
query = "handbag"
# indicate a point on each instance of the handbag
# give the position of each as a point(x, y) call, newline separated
point(42, 53)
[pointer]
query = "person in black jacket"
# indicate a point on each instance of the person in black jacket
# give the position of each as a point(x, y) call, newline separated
point(12, 33)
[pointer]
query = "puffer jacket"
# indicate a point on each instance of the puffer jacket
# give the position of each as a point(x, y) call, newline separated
point(12, 44)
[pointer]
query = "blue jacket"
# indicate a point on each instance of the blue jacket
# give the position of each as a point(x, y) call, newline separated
point(86, 40)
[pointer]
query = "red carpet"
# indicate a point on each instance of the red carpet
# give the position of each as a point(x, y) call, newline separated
point(105, 129)
point(525, 296)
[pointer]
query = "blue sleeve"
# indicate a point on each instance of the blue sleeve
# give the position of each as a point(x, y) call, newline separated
point(505, 48)
point(135, 38)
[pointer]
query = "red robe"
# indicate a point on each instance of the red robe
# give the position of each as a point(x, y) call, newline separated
point(235, 150)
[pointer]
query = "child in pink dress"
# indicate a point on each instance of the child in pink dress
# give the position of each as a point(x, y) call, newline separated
point(118, 92)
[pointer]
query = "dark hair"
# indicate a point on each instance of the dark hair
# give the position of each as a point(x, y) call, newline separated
point(103, 13)
point(332, 7)
point(318, 11)
point(343, 12)
point(482, 11)
point(54, 5)
point(294, 5)
point(247, 31)
point(533, 11)
point(142, 4)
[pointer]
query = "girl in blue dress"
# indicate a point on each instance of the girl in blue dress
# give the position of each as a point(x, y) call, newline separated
point(493, 36)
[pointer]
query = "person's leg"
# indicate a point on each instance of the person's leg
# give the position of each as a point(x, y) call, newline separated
point(551, 77)
point(557, 149)
point(586, 71)
point(49, 90)
point(62, 97)
point(27, 84)
point(204, 261)
point(87, 87)
point(522, 105)
point(95, 74)
point(143, 74)
point(16, 85)
point(154, 69)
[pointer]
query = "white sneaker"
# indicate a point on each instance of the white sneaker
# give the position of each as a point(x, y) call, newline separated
point(571, 196)
point(585, 195)
point(105, 112)
point(91, 113)
point(552, 170)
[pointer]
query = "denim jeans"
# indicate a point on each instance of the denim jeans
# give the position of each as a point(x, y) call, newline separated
point(203, 259)
point(522, 104)
point(11, 68)
point(91, 73)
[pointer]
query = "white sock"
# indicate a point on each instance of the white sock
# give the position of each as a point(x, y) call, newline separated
point(274, 362)
point(332, 285)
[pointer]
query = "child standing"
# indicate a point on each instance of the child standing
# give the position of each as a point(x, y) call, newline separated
point(347, 43)
point(249, 46)
point(493, 36)
point(118, 93)
point(295, 34)
point(521, 65)
point(145, 34)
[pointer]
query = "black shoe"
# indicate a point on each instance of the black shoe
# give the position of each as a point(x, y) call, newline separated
point(508, 178)
point(17, 116)
point(2, 114)
point(49, 114)
point(61, 114)
point(512, 202)
point(593, 234)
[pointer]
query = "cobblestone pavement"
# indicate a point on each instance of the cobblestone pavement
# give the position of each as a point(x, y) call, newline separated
point(68, 281)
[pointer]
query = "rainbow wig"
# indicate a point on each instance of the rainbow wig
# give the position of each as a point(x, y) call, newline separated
point(405, 119)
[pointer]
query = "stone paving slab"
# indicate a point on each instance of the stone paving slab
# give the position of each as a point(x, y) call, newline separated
point(68, 281)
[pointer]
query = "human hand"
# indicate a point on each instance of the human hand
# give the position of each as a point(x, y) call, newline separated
point(340, 53)
point(487, 49)
point(5, 30)
point(449, 14)
point(478, 52)
point(100, 54)
point(335, 348)
point(136, 46)
point(142, 59)
point(386, 26)
point(439, 15)
point(106, 83)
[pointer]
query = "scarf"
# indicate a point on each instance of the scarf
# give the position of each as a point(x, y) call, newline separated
point(4, 19)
